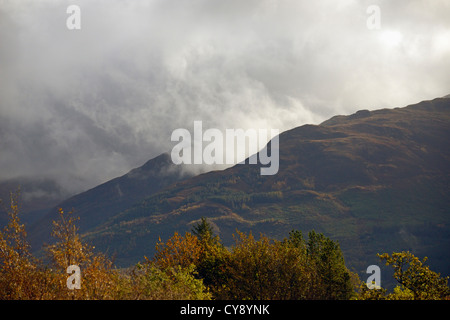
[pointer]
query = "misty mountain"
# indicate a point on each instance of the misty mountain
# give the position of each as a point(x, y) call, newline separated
point(37, 196)
point(376, 181)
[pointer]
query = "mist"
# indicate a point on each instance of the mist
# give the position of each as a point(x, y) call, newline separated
point(84, 106)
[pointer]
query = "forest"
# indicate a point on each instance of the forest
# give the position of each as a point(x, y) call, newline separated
point(197, 266)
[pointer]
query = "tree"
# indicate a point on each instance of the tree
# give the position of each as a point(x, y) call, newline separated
point(371, 294)
point(212, 264)
point(18, 269)
point(177, 251)
point(249, 268)
point(98, 276)
point(68, 249)
point(203, 230)
point(272, 269)
point(415, 277)
point(335, 278)
point(146, 281)
point(21, 275)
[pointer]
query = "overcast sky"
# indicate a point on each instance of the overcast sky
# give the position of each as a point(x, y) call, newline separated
point(84, 106)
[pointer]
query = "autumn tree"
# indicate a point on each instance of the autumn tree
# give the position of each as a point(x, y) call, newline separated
point(200, 249)
point(177, 261)
point(271, 269)
point(177, 251)
point(415, 278)
point(18, 269)
point(98, 279)
point(260, 269)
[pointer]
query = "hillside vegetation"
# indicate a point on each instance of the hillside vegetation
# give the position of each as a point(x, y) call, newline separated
point(375, 181)
point(198, 266)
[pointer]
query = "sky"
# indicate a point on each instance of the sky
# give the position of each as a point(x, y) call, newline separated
point(86, 105)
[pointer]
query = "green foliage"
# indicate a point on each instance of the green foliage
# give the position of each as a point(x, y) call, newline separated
point(203, 230)
point(212, 265)
point(329, 261)
point(148, 282)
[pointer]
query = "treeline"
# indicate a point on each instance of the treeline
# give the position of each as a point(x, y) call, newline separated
point(294, 268)
point(197, 265)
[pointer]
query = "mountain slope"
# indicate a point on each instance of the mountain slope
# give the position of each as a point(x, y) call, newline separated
point(98, 204)
point(37, 196)
point(376, 181)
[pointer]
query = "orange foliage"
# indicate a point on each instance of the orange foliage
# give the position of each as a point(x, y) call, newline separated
point(178, 251)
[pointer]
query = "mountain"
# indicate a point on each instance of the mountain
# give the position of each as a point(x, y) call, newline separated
point(97, 205)
point(376, 181)
point(37, 196)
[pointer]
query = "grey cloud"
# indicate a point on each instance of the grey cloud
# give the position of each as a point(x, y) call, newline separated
point(85, 106)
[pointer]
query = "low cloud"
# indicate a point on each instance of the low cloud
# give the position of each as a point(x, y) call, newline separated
point(84, 106)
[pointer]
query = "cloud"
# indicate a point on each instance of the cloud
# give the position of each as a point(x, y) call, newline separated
point(87, 105)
